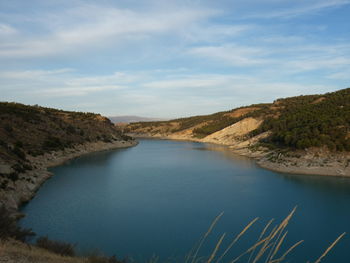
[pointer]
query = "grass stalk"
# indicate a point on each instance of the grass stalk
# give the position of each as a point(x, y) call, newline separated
point(329, 248)
point(236, 239)
point(205, 236)
point(213, 254)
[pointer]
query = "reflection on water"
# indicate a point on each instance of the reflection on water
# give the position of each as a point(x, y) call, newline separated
point(225, 152)
point(161, 196)
point(336, 185)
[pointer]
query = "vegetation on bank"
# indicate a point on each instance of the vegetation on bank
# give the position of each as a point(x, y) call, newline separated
point(295, 123)
point(305, 121)
point(36, 130)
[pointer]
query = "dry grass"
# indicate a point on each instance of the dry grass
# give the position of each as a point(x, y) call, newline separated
point(267, 248)
point(14, 251)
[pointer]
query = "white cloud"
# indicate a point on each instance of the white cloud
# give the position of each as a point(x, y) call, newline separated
point(318, 63)
point(340, 75)
point(306, 7)
point(197, 82)
point(232, 54)
point(75, 91)
point(32, 74)
point(92, 26)
point(284, 55)
point(7, 30)
point(215, 33)
point(60, 83)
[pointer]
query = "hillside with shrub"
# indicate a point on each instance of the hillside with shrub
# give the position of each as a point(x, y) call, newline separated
point(33, 130)
point(295, 123)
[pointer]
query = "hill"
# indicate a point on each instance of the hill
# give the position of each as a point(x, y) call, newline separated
point(314, 127)
point(130, 119)
point(33, 138)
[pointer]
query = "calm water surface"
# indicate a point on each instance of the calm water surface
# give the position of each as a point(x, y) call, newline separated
point(161, 196)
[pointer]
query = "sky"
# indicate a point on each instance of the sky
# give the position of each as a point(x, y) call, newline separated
point(168, 59)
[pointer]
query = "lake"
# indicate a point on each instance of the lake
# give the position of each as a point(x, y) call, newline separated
point(160, 197)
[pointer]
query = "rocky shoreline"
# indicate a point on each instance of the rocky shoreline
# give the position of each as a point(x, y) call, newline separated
point(309, 162)
point(24, 189)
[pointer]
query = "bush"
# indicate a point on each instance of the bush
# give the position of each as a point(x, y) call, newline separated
point(105, 138)
point(19, 144)
point(16, 150)
point(70, 129)
point(13, 177)
point(126, 138)
point(8, 128)
point(52, 143)
point(57, 247)
point(18, 168)
point(10, 229)
point(4, 184)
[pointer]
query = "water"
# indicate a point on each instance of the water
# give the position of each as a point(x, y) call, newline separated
point(160, 197)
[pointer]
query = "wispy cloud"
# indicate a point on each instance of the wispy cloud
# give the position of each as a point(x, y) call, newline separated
point(296, 9)
point(93, 26)
point(232, 54)
point(59, 83)
point(6, 30)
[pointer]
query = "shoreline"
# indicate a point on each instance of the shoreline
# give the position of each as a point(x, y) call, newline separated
point(337, 165)
point(23, 190)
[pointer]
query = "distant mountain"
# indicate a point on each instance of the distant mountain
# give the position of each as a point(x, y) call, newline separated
point(130, 119)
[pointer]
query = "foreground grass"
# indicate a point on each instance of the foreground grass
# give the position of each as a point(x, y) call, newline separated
point(16, 251)
point(266, 249)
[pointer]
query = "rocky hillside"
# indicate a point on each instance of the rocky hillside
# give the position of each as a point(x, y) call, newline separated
point(33, 138)
point(307, 134)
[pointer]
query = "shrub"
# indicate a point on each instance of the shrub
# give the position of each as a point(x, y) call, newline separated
point(4, 184)
point(19, 144)
point(10, 229)
point(70, 129)
point(8, 128)
point(57, 247)
point(13, 177)
point(126, 138)
point(52, 143)
point(16, 150)
point(18, 168)
point(105, 138)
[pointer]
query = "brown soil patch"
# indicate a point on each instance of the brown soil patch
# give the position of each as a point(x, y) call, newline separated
point(239, 112)
point(318, 100)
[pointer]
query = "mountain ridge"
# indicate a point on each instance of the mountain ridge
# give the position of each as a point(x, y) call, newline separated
point(131, 118)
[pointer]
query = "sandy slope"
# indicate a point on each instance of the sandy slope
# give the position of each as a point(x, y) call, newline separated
point(234, 133)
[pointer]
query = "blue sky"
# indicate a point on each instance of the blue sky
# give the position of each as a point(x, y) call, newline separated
point(170, 58)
